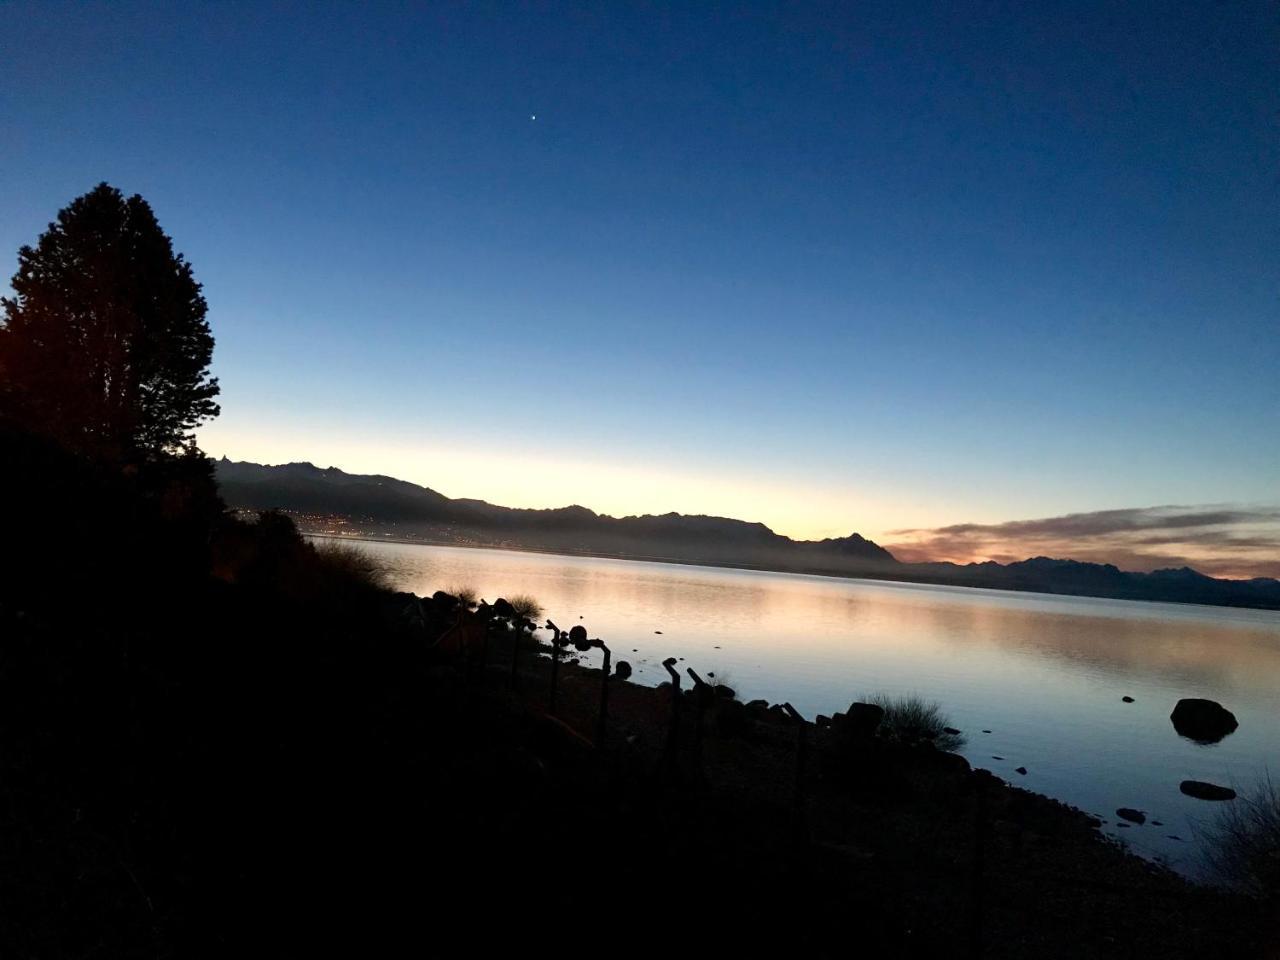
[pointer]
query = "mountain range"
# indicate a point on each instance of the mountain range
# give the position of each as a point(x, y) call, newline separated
point(382, 506)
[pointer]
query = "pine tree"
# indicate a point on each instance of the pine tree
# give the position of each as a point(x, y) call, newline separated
point(105, 346)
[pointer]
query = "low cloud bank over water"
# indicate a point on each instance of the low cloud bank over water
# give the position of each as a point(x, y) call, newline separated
point(1222, 540)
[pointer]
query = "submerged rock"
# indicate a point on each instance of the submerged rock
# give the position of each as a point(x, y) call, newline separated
point(1204, 721)
point(1206, 791)
point(1127, 699)
point(1133, 816)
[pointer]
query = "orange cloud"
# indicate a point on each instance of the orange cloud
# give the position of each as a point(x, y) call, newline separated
point(1225, 541)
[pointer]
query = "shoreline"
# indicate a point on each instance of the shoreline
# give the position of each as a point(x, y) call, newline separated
point(748, 568)
point(900, 824)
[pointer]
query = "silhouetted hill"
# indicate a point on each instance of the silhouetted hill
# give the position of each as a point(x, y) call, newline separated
point(387, 506)
point(1078, 578)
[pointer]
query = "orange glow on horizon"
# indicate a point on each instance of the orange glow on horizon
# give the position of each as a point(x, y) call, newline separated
point(790, 504)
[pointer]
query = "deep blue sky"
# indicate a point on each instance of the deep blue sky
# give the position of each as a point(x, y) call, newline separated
point(869, 266)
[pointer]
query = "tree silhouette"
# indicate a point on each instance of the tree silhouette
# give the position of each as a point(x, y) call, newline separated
point(105, 346)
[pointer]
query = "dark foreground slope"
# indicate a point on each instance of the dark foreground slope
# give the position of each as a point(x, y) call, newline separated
point(386, 506)
point(273, 778)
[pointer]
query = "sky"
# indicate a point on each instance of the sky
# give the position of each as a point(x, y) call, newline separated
point(922, 271)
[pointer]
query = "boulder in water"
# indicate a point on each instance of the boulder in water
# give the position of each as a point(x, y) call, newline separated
point(1204, 721)
point(1133, 816)
point(1206, 791)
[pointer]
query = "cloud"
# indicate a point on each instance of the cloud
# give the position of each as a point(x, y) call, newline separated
point(1223, 540)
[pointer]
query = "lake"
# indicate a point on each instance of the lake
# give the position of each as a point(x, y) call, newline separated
point(1045, 674)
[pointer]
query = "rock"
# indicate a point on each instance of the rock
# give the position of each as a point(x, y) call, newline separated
point(658, 632)
point(1134, 816)
point(986, 731)
point(731, 718)
point(1206, 791)
point(1021, 770)
point(1124, 826)
point(1156, 823)
point(725, 692)
point(503, 608)
point(1127, 699)
point(578, 637)
point(445, 599)
point(860, 720)
point(758, 708)
point(997, 758)
point(822, 720)
point(1204, 721)
point(951, 730)
point(622, 670)
point(944, 761)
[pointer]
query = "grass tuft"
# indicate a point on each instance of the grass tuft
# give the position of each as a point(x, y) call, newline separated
point(526, 606)
point(912, 719)
point(1241, 844)
point(351, 565)
point(468, 596)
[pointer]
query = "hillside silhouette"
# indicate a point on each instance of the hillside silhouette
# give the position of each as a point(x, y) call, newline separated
point(387, 507)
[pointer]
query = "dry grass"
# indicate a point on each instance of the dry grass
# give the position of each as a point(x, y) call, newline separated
point(352, 565)
point(468, 596)
point(1241, 845)
point(525, 606)
point(912, 719)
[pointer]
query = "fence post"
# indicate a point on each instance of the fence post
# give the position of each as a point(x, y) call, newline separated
point(701, 694)
point(979, 867)
point(673, 725)
point(555, 664)
point(802, 752)
point(604, 694)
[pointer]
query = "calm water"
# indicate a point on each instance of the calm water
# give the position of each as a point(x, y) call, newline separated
point(1044, 674)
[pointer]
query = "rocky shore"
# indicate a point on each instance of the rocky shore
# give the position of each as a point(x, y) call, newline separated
point(930, 856)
